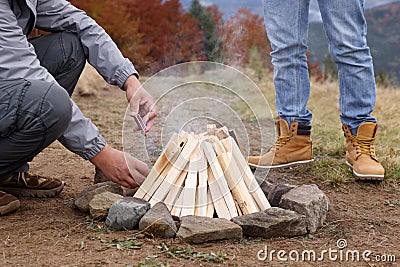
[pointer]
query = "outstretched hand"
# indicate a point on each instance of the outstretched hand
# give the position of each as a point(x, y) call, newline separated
point(121, 167)
point(141, 102)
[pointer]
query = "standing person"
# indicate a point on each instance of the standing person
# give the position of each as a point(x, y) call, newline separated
point(345, 25)
point(37, 78)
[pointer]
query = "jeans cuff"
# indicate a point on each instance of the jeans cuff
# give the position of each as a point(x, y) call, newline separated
point(98, 146)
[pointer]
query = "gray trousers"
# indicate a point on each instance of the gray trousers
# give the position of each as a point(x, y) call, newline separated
point(34, 113)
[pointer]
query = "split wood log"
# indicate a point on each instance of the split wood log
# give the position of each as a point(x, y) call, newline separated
point(201, 199)
point(189, 191)
point(210, 204)
point(176, 190)
point(171, 152)
point(219, 178)
point(177, 168)
point(248, 177)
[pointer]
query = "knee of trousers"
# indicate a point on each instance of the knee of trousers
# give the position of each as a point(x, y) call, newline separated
point(58, 114)
point(352, 56)
point(73, 48)
point(46, 110)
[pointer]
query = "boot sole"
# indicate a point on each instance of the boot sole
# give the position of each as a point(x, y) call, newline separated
point(365, 177)
point(281, 165)
point(25, 192)
point(10, 207)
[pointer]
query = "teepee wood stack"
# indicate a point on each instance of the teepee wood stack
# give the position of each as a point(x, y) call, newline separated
point(200, 174)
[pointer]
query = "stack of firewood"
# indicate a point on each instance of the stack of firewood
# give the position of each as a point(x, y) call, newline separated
point(202, 174)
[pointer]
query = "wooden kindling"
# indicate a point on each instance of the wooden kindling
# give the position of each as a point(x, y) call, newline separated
point(204, 175)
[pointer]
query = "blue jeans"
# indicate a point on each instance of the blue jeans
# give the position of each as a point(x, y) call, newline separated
point(345, 26)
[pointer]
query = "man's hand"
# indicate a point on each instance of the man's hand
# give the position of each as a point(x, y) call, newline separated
point(141, 102)
point(117, 166)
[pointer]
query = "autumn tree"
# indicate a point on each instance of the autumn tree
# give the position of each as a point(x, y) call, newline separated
point(207, 21)
point(154, 34)
point(169, 34)
point(111, 15)
point(244, 38)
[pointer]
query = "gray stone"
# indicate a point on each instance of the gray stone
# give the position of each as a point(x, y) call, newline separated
point(267, 187)
point(83, 199)
point(198, 230)
point(158, 222)
point(274, 197)
point(274, 222)
point(309, 201)
point(101, 203)
point(99, 177)
point(126, 213)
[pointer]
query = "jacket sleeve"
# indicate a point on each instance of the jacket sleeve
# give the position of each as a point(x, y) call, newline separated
point(18, 60)
point(82, 137)
point(102, 53)
point(17, 56)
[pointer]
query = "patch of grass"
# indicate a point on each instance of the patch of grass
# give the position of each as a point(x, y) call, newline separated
point(394, 203)
point(129, 243)
point(98, 228)
point(329, 170)
point(187, 253)
point(392, 167)
point(337, 233)
point(151, 263)
point(328, 142)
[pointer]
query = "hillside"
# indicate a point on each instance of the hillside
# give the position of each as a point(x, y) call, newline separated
point(383, 30)
point(383, 39)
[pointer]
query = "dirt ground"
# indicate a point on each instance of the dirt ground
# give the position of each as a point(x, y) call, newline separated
point(51, 232)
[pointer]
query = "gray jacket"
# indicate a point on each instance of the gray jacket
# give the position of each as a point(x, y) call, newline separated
point(18, 58)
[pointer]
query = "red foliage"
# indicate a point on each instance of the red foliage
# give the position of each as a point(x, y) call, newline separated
point(241, 33)
point(314, 70)
point(152, 33)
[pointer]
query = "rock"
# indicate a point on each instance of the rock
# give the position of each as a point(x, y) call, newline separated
point(99, 177)
point(203, 229)
point(83, 199)
point(158, 222)
point(126, 213)
point(267, 187)
point(309, 201)
point(127, 192)
point(274, 196)
point(101, 203)
point(274, 222)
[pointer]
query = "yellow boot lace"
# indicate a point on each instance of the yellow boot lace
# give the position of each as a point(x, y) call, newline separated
point(282, 140)
point(365, 146)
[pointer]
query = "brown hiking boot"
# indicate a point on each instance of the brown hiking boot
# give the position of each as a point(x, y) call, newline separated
point(360, 153)
point(26, 185)
point(8, 203)
point(293, 146)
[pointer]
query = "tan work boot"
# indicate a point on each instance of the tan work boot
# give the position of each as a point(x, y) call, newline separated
point(360, 153)
point(293, 146)
point(8, 203)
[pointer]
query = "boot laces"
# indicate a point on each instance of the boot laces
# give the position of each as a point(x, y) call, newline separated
point(365, 145)
point(21, 176)
point(282, 140)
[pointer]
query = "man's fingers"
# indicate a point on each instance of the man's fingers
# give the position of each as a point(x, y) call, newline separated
point(124, 184)
point(139, 178)
point(150, 119)
point(134, 106)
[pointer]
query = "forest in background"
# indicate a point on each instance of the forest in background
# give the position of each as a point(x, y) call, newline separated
point(156, 34)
